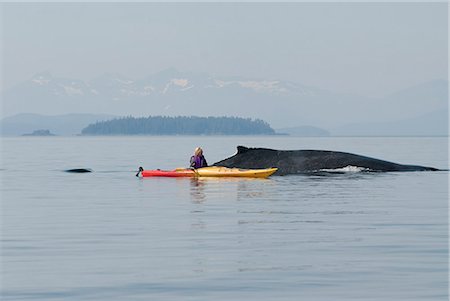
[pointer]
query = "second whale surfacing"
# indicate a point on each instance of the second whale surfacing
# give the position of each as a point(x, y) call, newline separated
point(307, 161)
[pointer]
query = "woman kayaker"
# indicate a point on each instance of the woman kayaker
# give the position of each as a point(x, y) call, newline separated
point(198, 160)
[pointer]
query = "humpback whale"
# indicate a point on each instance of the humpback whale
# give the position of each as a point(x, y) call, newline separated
point(306, 161)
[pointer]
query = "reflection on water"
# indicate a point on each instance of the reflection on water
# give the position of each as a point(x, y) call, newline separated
point(226, 186)
point(197, 190)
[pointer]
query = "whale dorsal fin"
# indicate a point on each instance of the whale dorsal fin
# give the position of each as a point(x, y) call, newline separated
point(242, 149)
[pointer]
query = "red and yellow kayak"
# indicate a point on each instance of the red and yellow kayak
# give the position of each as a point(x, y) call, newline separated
point(211, 171)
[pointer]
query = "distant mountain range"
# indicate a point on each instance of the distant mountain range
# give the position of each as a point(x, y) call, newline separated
point(170, 92)
point(429, 124)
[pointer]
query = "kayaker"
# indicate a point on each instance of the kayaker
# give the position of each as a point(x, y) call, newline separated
point(198, 160)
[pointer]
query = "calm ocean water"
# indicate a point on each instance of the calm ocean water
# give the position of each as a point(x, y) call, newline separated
point(108, 235)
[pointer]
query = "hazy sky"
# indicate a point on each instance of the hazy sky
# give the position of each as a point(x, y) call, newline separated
point(370, 49)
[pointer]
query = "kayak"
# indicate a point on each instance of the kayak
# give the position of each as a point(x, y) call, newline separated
point(211, 171)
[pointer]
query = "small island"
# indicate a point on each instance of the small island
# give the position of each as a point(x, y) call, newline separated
point(305, 131)
point(181, 125)
point(40, 133)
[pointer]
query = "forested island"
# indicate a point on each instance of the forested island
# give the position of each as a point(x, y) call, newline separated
point(181, 125)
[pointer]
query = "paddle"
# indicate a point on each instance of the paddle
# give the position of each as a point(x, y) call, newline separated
point(195, 171)
point(191, 168)
point(140, 170)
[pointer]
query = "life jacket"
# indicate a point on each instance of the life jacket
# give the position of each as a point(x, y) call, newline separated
point(198, 161)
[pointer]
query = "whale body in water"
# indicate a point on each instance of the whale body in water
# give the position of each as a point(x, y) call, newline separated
point(306, 161)
point(78, 170)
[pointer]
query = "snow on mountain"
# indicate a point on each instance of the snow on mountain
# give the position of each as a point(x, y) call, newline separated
point(168, 81)
point(179, 83)
point(40, 80)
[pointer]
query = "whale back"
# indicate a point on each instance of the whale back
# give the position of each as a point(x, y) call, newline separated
point(304, 161)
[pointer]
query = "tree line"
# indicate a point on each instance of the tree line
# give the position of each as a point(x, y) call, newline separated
point(181, 125)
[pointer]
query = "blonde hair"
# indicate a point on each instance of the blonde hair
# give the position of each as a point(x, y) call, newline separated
point(198, 151)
